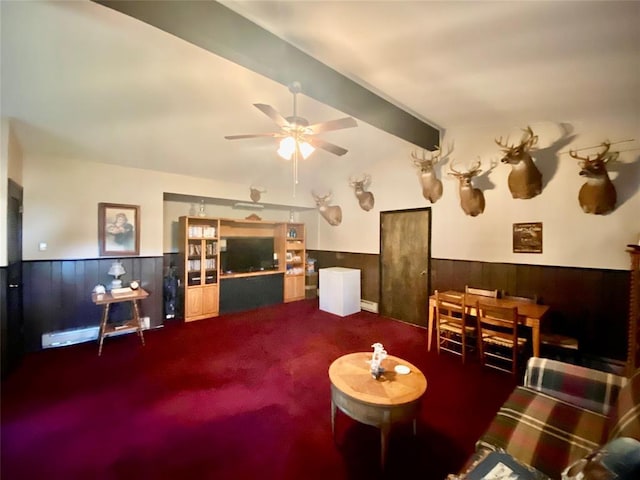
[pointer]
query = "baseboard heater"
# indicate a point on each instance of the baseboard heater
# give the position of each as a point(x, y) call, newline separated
point(369, 306)
point(63, 338)
point(69, 337)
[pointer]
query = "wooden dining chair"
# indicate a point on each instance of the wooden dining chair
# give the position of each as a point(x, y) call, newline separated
point(456, 333)
point(481, 291)
point(533, 299)
point(498, 341)
point(553, 343)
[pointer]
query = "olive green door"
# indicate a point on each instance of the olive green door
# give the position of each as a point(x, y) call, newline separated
point(405, 252)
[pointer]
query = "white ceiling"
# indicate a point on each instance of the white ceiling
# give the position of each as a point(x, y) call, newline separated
point(79, 79)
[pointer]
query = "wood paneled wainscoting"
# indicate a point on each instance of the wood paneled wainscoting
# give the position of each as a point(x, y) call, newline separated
point(587, 303)
point(591, 304)
point(57, 293)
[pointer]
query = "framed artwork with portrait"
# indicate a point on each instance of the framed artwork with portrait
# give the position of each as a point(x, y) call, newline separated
point(118, 229)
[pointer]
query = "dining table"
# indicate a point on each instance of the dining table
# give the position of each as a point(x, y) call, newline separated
point(529, 313)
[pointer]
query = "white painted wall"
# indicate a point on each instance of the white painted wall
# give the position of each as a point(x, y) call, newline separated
point(61, 198)
point(570, 237)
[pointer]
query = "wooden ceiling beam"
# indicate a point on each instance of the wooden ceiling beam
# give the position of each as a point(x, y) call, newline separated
point(218, 29)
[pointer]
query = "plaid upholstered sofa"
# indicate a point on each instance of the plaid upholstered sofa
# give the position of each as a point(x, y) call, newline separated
point(561, 414)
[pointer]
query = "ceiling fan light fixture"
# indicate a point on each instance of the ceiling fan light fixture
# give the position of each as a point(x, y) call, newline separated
point(287, 147)
point(306, 149)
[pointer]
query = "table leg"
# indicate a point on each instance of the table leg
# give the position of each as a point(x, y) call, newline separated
point(385, 427)
point(535, 338)
point(136, 318)
point(432, 314)
point(384, 441)
point(333, 419)
point(103, 326)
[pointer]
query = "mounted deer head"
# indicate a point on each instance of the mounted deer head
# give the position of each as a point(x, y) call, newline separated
point(525, 180)
point(359, 185)
point(332, 214)
point(598, 194)
point(431, 185)
point(471, 199)
point(256, 192)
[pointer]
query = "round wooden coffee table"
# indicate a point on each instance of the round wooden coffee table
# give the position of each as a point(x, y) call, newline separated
point(393, 398)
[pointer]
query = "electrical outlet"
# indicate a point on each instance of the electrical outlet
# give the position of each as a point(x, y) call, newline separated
point(146, 323)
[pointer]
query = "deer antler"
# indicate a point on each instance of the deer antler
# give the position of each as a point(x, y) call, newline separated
point(529, 138)
point(504, 145)
point(435, 158)
point(475, 169)
point(602, 156)
point(455, 171)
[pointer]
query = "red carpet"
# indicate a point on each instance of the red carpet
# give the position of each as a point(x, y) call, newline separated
point(242, 396)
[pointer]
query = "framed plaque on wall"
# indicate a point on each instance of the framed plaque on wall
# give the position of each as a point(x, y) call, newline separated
point(527, 237)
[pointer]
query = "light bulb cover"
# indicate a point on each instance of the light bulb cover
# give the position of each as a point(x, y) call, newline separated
point(287, 147)
point(306, 149)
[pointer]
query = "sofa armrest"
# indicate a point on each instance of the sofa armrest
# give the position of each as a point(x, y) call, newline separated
point(581, 386)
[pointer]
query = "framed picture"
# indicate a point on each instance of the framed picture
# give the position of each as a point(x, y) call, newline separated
point(527, 237)
point(118, 229)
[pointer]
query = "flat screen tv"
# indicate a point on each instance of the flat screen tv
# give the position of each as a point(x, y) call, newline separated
point(246, 254)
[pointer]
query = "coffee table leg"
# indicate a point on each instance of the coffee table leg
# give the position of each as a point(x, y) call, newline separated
point(384, 437)
point(333, 419)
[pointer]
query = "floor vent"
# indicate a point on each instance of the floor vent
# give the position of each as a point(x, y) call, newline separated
point(369, 306)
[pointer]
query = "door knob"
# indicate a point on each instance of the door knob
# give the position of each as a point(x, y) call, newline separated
point(423, 273)
point(14, 285)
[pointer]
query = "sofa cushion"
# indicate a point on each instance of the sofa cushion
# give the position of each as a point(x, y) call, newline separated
point(544, 432)
point(624, 419)
point(580, 386)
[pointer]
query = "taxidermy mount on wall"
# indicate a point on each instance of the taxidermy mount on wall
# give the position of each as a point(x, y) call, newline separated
point(525, 180)
point(471, 198)
point(359, 185)
point(431, 185)
point(256, 192)
point(331, 213)
point(598, 194)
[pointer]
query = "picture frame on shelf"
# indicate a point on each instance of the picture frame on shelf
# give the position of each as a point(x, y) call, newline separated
point(118, 229)
point(289, 256)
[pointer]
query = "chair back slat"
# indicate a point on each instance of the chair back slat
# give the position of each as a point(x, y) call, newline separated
point(481, 291)
point(498, 341)
point(452, 323)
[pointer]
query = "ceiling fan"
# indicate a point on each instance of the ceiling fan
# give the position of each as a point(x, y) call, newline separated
point(298, 137)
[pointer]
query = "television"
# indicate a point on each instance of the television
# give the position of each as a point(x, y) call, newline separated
point(247, 254)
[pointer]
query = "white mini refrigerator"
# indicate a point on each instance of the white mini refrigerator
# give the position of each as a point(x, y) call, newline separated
point(339, 290)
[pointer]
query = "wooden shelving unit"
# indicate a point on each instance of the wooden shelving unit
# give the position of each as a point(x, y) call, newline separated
point(295, 262)
point(199, 264)
point(200, 259)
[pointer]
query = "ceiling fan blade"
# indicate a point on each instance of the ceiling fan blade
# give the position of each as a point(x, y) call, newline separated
point(251, 135)
point(346, 122)
point(272, 113)
point(329, 147)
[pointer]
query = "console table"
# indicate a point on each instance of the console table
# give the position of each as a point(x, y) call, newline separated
point(132, 325)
